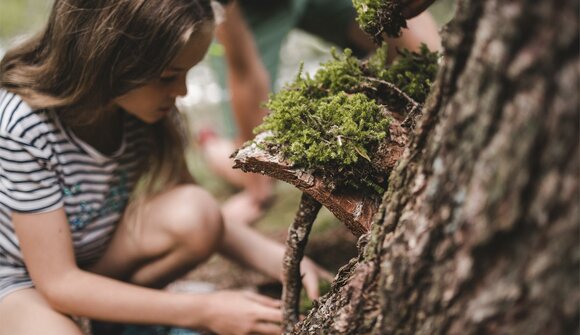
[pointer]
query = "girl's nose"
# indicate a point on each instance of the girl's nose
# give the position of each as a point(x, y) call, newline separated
point(179, 88)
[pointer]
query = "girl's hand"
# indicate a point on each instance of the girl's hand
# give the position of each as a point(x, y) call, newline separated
point(241, 313)
point(412, 8)
point(311, 276)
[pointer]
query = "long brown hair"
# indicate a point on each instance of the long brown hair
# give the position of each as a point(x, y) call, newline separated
point(92, 51)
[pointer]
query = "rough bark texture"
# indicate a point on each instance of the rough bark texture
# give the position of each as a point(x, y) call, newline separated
point(295, 244)
point(478, 232)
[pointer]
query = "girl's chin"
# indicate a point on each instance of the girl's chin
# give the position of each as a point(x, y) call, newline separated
point(151, 119)
point(152, 116)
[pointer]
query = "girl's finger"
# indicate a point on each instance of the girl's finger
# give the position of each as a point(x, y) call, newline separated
point(267, 328)
point(264, 300)
point(311, 286)
point(326, 275)
point(267, 314)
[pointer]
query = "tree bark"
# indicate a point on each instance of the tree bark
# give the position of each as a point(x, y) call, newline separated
point(478, 232)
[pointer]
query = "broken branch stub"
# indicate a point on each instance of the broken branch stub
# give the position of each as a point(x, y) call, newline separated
point(354, 208)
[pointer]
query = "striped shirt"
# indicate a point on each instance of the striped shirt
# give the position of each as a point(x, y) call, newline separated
point(44, 166)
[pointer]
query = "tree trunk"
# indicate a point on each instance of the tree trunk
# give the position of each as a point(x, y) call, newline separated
point(479, 228)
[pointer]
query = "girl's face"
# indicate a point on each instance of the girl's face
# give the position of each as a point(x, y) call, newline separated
point(153, 101)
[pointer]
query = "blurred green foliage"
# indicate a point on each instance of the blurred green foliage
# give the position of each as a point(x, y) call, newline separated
point(22, 16)
point(442, 11)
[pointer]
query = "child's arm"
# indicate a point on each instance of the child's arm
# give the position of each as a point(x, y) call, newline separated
point(247, 246)
point(247, 76)
point(46, 244)
point(249, 84)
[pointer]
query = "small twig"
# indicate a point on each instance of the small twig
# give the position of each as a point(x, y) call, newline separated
point(295, 243)
point(411, 119)
point(397, 90)
point(413, 108)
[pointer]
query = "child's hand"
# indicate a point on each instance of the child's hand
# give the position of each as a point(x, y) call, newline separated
point(311, 276)
point(242, 209)
point(241, 313)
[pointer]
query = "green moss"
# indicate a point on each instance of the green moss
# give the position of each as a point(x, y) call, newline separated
point(413, 72)
point(332, 125)
point(342, 73)
point(378, 16)
point(336, 129)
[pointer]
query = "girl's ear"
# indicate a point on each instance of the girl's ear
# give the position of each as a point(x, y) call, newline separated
point(219, 12)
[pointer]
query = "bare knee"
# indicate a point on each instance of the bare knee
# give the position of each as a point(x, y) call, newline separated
point(194, 220)
point(164, 238)
point(25, 312)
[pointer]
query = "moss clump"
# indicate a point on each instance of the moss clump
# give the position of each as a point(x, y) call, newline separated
point(332, 135)
point(413, 72)
point(326, 125)
point(341, 73)
point(333, 130)
point(378, 16)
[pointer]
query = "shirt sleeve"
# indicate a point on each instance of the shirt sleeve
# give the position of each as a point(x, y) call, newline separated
point(28, 180)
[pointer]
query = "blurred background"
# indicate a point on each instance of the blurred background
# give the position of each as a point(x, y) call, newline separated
point(331, 244)
point(19, 18)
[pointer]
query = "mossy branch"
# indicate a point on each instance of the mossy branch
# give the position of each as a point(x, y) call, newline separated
point(354, 209)
point(337, 135)
point(334, 123)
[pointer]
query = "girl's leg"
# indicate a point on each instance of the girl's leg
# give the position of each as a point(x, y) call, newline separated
point(158, 241)
point(163, 238)
point(25, 312)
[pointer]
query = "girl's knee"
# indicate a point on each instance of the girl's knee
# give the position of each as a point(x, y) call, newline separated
point(195, 219)
point(26, 312)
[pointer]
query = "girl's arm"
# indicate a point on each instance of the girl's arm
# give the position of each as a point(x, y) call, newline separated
point(46, 244)
point(247, 246)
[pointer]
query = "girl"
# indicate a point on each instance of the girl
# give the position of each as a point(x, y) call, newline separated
point(97, 208)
